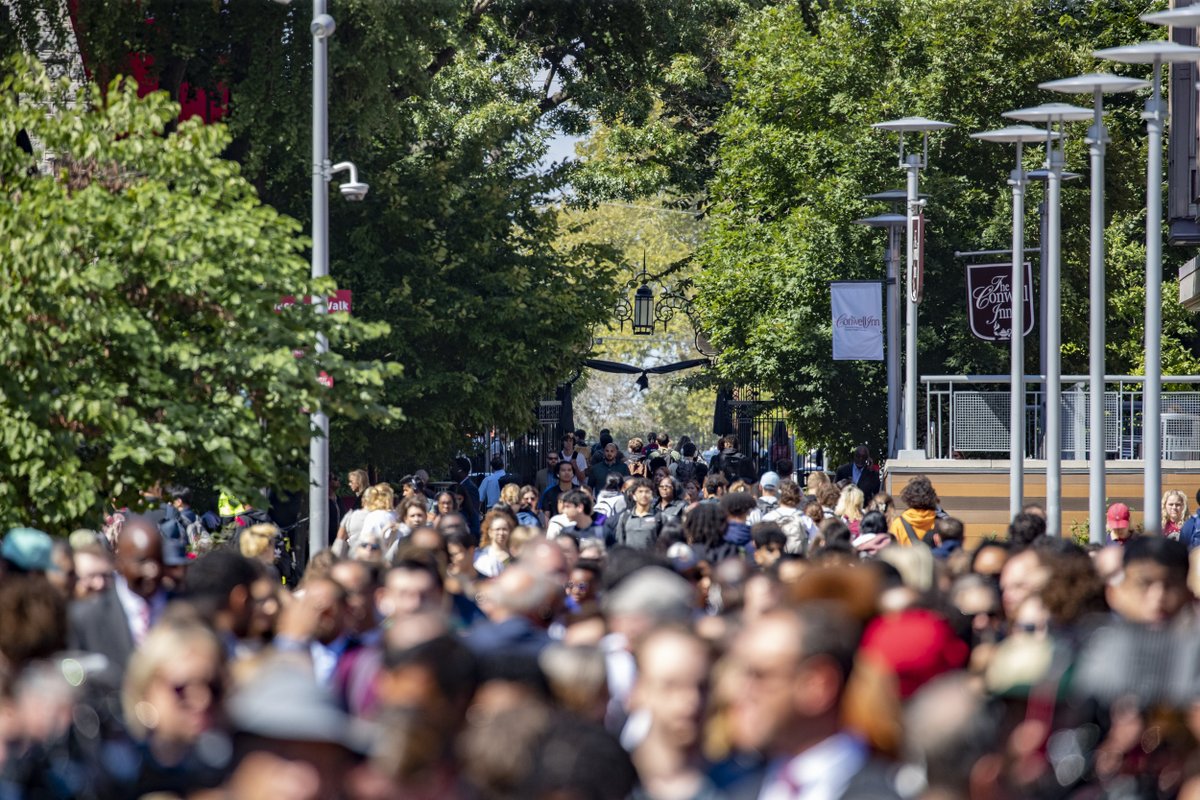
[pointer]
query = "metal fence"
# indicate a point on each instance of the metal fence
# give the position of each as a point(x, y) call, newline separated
point(761, 426)
point(968, 416)
point(523, 454)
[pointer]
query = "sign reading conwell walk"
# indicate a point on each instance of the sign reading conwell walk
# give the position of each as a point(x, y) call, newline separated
point(989, 301)
point(857, 320)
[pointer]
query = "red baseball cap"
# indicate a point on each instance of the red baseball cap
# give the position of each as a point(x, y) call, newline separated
point(916, 645)
point(1118, 516)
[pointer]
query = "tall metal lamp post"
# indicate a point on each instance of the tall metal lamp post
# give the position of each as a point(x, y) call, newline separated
point(322, 28)
point(892, 223)
point(912, 163)
point(1096, 84)
point(1053, 114)
point(1156, 53)
point(1018, 135)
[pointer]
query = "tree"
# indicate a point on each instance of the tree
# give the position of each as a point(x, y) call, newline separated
point(446, 106)
point(797, 155)
point(666, 238)
point(139, 289)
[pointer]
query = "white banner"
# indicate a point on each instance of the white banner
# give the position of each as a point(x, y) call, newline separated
point(857, 320)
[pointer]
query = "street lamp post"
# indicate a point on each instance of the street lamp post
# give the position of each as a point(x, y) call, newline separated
point(1053, 114)
point(1018, 135)
point(322, 28)
point(912, 164)
point(1156, 53)
point(1096, 84)
point(893, 223)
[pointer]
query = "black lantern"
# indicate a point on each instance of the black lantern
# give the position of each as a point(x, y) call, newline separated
point(643, 311)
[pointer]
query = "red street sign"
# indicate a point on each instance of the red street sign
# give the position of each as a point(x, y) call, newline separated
point(916, 274)
point(337, 303)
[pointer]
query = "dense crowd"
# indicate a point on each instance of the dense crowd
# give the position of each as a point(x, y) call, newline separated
point(645, 623)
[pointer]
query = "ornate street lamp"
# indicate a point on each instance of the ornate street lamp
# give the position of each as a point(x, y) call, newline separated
point(643, 310)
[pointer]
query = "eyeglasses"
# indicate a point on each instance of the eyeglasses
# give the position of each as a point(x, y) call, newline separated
point(583, 587)
point(186, 692)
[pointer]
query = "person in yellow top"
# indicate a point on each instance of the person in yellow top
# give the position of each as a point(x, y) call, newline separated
point(917, 520)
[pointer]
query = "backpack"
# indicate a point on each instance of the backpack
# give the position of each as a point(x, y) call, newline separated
point(685, 472)
point(738, 466)
point(793, 528)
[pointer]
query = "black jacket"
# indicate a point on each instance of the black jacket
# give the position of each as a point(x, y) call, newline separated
point(868, 481)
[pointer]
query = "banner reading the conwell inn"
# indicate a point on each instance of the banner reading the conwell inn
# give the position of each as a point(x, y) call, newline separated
point(857, 320)
point(989, 301)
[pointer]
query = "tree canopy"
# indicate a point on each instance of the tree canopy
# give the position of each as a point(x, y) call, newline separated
point(139, 286)
point(797, 155)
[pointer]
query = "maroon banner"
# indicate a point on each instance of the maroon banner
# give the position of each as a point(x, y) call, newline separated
point(337, 303)
point(989, 301)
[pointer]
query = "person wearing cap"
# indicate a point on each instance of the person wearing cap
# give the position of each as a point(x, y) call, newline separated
point(26, 550)
point(1117, 523)
point(768, 501)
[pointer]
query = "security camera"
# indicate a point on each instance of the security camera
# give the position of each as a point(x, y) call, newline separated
point(322, 26)
point(355, 190)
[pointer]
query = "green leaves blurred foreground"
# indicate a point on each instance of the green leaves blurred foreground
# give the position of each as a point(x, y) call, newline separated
point(139, 279)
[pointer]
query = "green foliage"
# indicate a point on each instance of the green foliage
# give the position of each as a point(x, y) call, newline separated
point(797, 156)
point(446, 106)
point(666, 237)
point(139, 285)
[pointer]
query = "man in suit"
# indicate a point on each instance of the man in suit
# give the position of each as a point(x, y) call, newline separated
point(860, 473)
point(115, 622)
point(794, 665)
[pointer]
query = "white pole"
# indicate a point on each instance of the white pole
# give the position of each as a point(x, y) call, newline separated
point(1152, 394)
point(1016, 419)
point(1053, 395)
point(1097, 140)
point(318, 476)
point(893, 351)
point(913, 165)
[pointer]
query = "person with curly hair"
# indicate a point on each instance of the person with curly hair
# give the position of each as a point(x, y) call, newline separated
point(917, 520)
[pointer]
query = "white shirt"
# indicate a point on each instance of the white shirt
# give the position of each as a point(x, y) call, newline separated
point(822, 772)
point(139, 613)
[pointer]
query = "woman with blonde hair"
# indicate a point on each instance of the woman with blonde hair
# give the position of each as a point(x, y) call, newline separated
point(1174, 512)
point(376, 514)
point(171, 699)
point(816, 479)
point(510, 495)
point(850, 507)
point(258, 542)
point(493, 554)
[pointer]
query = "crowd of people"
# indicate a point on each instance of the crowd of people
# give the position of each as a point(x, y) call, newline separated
point(644, 624)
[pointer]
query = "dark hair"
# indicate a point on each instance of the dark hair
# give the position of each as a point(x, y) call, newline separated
point(605, 438)
point(449, 662)
point(918, 493)
point(453, 497)
point(613, 481)
point(462, 538)
point(784, 466)
point(1024, 529)
point(714, 482)
point(415, 560)
point(835, 531)
point(676, 489)
point(789, 492)
point(738, 503)
point(213, 576)
point(182, 493)
point(689, 449)
point(949, 528)
point(33, 619)
point(1169, 553)
point(705, 525)
point(580, 434)
point(657, 463)
point(497, 462)
point(591, 565)
point(765, 533)
point(874, 522)
point(577, 497)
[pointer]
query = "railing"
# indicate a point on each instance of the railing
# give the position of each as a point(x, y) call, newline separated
point(967, 416)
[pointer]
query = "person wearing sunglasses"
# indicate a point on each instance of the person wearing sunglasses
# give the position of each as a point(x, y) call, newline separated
point(172, 705)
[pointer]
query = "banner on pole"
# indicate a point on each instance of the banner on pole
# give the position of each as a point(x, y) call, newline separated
point(857, 320)
point(989, 301)
point(916, 273)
